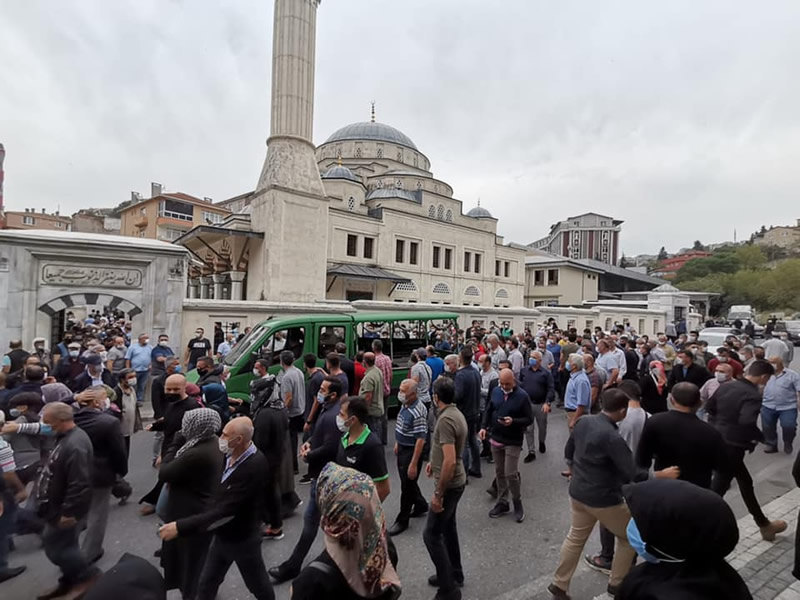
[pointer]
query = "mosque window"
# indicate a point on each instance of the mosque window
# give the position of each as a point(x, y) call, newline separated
point(351, 204)
point(399, 155)
point(416, 158)
point(352, 243)
point(472, 291)
point(419, 185)
point(441, 288)
point(380, 151)
point(369, 244)
point(440, 212)
point(501, 293)
point(406, 286)
point(449, 216)
point(413, 252)
point(432, 211)
point(358, 151)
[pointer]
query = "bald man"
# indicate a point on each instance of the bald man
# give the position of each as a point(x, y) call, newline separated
point(234, 517)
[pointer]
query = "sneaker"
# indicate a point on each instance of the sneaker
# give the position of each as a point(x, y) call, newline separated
point(499, 510)
point(272, 534)
point(598, 564)
point(542, 448)
point(530, 457)
point(433, 581)
point(768, 532)
point(305, 479)
point(519, 511)
point(770, 450)
point(557, 592)
point(788, 448)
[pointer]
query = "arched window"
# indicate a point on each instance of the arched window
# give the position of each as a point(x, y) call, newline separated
point(351, 204)
point(432, 211)
point(449, 216)
point(441, 288)
point(502, 293)
point(440, 212)
point(472, 291)
point(406, 286)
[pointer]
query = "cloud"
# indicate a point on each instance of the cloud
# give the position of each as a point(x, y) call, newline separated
point(679, 118)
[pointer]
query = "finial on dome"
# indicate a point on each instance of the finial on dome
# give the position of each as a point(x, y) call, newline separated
point(373, 111)
point(479, 201)
point(340, 162)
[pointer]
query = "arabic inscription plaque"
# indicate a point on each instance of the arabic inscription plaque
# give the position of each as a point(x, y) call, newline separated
point(104, 277)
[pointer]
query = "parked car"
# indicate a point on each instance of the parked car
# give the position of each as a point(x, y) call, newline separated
point(716, 336)
point(791, 329)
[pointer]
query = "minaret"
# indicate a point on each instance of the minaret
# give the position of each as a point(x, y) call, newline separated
point(289, 205)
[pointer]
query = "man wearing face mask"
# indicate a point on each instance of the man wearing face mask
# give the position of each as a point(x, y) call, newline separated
point(317, 452)
point(42, 353)
point(233, 517)
point(115, 359)
point(687, 370)
point(538, 384)
point(197, 347)
point(70, 367)
point(139, 358)
point(161, 353)
point(722, 375)
point(781, 396)
point(110, 461)
point(724, 357)
point(171, 366)
point(733, 410)
point(95, 374)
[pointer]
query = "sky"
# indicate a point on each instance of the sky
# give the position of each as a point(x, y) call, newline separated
point(679, 118)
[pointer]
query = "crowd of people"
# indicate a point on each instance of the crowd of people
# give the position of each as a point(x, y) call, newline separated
point(648, 418)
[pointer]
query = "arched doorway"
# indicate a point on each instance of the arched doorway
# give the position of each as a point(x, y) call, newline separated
point(58, 308)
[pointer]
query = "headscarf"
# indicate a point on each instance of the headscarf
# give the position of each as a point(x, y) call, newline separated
point(661, 378)
point(197, 425)
point(680, 521)
point(355, 530)
point(56, 392)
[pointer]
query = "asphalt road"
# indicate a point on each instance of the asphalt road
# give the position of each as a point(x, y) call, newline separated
point(502, 559)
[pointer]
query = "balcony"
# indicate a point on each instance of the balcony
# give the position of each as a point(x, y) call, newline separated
point(140, 221)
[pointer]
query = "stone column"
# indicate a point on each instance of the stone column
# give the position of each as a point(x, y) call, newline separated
point(205, 287)
point(219, 281)
point(237, 290)
point(193, 285)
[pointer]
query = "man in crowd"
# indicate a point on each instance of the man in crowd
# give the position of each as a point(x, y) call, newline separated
point(723, 373)
point(197, 347)
point(372, 390)
point(110, 461)
point(70, 366)
point(411, 431)
point(225, 347)
point(41, 352)
point(334, 367)
point(578, 395)
point(687, 370)
point(139, 357)
point(348, 366)
point(115, 359)
point(724, 357)
point(775, 348)
point(384, 363)
point(171, 366)
point(508, 414)
point(781, 396)
point(293, 393)
point(315, 378)
point(467, 382)
point(15, 358)
point(538, 384)
point(607, 361)
point(601, 464)
point(94, 374)
point(160, 354)
point(496, 351)
point(733, 410)
point(233, 517)
point(597, 380)
point(12, 490)
point(515, 356)
point(447, 469)
point(435, 362)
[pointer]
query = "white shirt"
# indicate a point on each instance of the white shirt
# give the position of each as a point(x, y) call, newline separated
point(608, 362)
point(619, 355)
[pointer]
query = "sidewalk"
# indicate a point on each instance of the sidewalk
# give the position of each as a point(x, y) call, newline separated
point(766, 567)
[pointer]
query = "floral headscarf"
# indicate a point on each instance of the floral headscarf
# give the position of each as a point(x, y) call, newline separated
point(661, 378)
point(198, 425)
point(355, 530)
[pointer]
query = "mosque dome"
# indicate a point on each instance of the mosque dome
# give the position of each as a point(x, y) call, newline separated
point(479, 213)
point(339, 172)
point(372, 131)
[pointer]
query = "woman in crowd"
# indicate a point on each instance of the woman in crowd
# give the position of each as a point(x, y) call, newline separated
point(356, 562)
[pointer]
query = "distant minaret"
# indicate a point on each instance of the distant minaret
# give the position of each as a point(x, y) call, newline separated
point(2, 175)
point(289, 205)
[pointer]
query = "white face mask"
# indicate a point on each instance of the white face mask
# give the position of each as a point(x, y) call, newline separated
point(132, 381)
point(224, 447)
point(74, 353)
point(721, 377)
point(163, 343)
point(120, 346)
point(342, 424)
point(401, 397)
point(256, 372)
point(145, 341)
point(106, 404)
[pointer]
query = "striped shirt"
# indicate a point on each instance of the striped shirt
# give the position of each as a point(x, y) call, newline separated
point(7, 464)
point(411, 424)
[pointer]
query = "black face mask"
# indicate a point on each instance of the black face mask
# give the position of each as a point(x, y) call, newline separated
point(202, 372)
point(172, 397)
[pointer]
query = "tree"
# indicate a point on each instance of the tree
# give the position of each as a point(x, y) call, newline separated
point(662, 254)
point(750, 257)
point(698, 245)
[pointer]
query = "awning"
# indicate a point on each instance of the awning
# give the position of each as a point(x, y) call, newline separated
point(364, 272)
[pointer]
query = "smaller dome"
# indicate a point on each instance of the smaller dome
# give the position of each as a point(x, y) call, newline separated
point(340, 172)
point(479, 213)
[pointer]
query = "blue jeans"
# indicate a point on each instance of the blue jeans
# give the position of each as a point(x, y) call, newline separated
point(7, 525)
point(769, 425)
point(62, 549)
point(311, 519)
point(141, 385)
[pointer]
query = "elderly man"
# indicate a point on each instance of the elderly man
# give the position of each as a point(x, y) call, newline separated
point(234, 517)
point(607, 361)
point(496, 351)
point(724, 357)
point(225, 347)
point(508, 414)
point(578, 395)
point(139, 358)
point(722, 374)
point(450, 366)
point(747, 356)
point(597, 380)
point(411, 431)
point(781, 395)
point(538, 384)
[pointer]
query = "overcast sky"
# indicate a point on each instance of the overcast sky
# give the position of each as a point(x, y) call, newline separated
point(680, 118)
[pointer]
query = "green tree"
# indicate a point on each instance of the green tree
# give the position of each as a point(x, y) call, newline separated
point(750, 257)
point(698, 245)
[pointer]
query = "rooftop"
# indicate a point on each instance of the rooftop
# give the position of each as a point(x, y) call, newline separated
point(378, 132)
point(29, 236)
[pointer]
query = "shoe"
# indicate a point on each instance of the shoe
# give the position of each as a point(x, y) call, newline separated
point(272, 534)
point(490, 460)
point(157, 553)
point(418, 512)
point(454, 594)
point(305, 479)
point(98, 557)
point(283, 573)
point(519, 511)
point(397, 528)
point(11, 572)
point(475, 474)
point(598, 564)
point(433, 581)
point(770, 450)
point(124, 500)
point(612, 590)
point(531, 456)
point(499, 510)
point(557, 592)
point(59, 590)
point(788, 448)
point(768, 532)
point(542, 448)
point(147, 509)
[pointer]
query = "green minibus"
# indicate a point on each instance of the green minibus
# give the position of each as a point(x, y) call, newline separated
point(401, 333)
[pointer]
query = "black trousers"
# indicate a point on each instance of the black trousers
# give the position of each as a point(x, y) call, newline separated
point(295, 429)
point(441, 540)
point(247, 556)
point(736, 468)
point(272, 499)
point(411, 497)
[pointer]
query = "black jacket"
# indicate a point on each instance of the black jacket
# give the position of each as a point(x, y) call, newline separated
point(235, 512)
point(84, 381)
point(733, 410)
point(65, 484)
point(173, 419)
point(68, 370)
point(695, 374)
point(270, 428)
point(325, 440)
point(346, 365)
point(157, 395)
point(110, 457)
point(631, 365)
point(468, 391)
point(518, 407)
